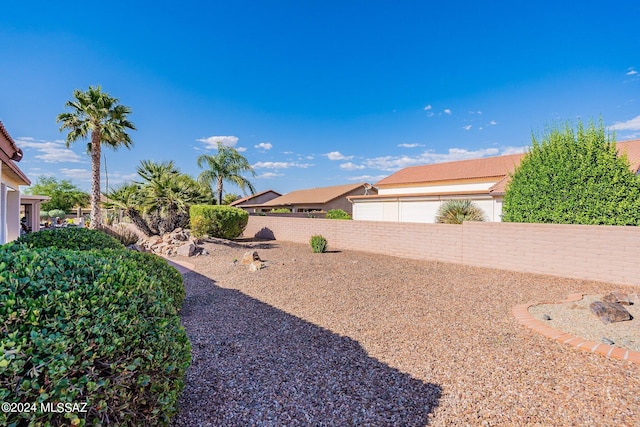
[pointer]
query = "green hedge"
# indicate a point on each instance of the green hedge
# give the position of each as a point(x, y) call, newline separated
point(337, 214)
point(99, 327)
point(82, 239)
point(221, 221)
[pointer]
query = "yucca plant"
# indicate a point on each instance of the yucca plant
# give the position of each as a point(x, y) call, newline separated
point(458, 211)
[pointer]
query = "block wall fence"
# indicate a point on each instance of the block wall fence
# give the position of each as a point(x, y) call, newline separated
point(605, 253)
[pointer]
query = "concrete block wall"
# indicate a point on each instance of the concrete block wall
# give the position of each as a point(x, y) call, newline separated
point(603, 253)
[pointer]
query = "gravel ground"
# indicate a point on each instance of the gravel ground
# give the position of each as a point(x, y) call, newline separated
point(350, 338)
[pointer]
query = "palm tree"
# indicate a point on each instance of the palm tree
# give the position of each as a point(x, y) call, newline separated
point(458, 211)
point(226, 165)
point(97, 114)
point(127, 198)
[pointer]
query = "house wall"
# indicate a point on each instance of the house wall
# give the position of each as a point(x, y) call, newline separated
point(262, 198)
point(450, 188)
point(418, 209)
point(605, 253)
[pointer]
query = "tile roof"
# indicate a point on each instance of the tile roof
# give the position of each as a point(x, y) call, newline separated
point(499, 167)
point(251, 196)
point(486, 167)
point(9, 154)
point(314, 195)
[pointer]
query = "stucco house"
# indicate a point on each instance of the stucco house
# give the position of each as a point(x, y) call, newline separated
point(316, 199)
point(11, 178)
point(255, 199)
point(414, 194)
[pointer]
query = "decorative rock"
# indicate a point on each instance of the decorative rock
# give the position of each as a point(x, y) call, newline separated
point(607, 341)
point(249, 257)
point(256, 265)
point(618, 297)
point(609, 312)
point(546, 317)
point(186, 250)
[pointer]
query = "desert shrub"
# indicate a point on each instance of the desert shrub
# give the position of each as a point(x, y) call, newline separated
point(281, 210)
point(57, 213)
point(318, 244)
point(82, 239)
point(337, 214)
point(82, 327)
point(573, 177)
point(221, 221)
point(458, 211)
point(44, 215)
point(121, 232)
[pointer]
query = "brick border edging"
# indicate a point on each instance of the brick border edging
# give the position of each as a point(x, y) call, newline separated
point(522, 315)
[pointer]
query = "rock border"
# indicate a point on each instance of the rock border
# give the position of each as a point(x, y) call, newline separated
point(522, 315)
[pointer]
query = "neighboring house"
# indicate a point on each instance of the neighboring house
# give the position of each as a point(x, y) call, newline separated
point(415, 193)
point(11, 178)
point(317, 199)
point(255, 199)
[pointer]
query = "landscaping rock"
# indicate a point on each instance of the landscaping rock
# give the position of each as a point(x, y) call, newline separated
point(250, 257)
point(256, 265)
point(619, 297)
point(186, 250)
point(609, 312)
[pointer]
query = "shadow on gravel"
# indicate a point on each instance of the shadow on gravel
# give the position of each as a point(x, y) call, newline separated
point(254, 364)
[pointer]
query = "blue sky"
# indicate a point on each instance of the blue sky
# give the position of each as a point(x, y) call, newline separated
point(316, 93)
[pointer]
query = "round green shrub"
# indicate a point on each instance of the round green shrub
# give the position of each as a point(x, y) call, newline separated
point(318, 244)
point(226, 222)
point(88, 327)
point(57, 213)
point(82, 239)
point(337, 214)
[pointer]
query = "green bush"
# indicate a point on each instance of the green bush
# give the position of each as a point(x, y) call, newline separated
point(221, 221)
point(281, 210)
point(318, 244)
point(337, 214)
point(88, 327)
point(82, 239)
point(458, 211)
point(573, 177)
point(57, 213)
point(44, 215)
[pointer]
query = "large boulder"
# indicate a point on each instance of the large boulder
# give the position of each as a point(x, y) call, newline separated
point(187, 249)
point(609, 312)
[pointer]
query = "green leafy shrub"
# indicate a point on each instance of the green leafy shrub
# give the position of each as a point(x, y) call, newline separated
point(573, 177)
point(57, 213)
point(337, 214)
point(88, 327)
point(221, 221)
point(281, 210)
point(458, 211)
point(82, 239)
point(44, 215)
point(318, 244)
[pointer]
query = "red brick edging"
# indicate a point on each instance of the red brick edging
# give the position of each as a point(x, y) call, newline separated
point(522, 315)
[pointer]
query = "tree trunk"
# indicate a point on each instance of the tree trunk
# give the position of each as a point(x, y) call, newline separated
point(96, 213)
point(138, 221)
point(219, 191)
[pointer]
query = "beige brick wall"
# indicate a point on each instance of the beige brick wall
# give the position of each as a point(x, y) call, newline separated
point(581, 251)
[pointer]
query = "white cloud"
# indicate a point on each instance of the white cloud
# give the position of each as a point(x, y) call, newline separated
point(336, 155)
point(264, 146)
point(493, 123)
point(447, 111)
point(430, 114)
point(475, 112)
point(280, 165)
point(309, 157)
point(212, 141)
point(51, 151)
point(514, 150)
point(467, 127)
point(633, 124)
point(367, 178)
point(81, 174)
point(287, 152)
point(268, 175)
point(351, 166)
point(631, 72)
point(394, 163)
point(410, 145)
point(241, 149)
point(427, 107)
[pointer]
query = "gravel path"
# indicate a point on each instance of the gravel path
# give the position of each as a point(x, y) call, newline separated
point(351, 338)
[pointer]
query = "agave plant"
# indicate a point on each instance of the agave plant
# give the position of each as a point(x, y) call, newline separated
point(458, 211)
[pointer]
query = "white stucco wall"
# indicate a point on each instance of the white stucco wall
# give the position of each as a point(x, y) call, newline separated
point(478, 186)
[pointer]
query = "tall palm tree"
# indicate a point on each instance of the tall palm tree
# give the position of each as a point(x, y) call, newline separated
point(226, 165)
point(99, 115)
point(127, 198)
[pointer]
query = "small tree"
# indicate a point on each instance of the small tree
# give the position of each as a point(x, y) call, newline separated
point(573, 177)
point(63, 194)
point(458, 211)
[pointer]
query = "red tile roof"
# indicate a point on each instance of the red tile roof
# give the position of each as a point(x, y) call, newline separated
point(9, 154)
point(314, 195)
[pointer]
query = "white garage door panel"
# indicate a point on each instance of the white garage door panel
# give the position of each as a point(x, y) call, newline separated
point(371, 211)
point(424, 211)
